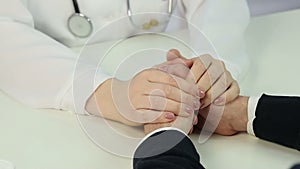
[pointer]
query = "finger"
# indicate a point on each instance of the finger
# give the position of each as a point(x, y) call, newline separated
point(198, 69)
point(186, 62)
point(172, 93)
point(174, 61)
point(158, 103)
point(143, 116)
point(229, 95)
point(156, 76)
point(179, 70)
point(212, 74)
point(174, 54)
point(205, 59)
point(153, 116)
point(219, 87)
point(182, 123)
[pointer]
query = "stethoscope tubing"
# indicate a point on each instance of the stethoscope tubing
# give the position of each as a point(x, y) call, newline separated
point(76, 6)
point(88, 21)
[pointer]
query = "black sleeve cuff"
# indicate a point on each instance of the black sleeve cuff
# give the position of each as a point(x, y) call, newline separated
point(167, 149)
point(296, 167)
point(278, 120)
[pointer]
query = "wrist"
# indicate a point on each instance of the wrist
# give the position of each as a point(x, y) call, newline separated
point(103, 102)
point(239, 123)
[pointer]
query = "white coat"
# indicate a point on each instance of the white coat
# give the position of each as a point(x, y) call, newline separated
point(36, 62)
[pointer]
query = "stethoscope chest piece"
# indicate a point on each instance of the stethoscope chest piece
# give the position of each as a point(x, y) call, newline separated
point(80, 25)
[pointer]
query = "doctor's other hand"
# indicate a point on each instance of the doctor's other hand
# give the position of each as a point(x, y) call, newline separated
point(185, 124)
point(212, 77)
point(234, 117)
point(151, 96)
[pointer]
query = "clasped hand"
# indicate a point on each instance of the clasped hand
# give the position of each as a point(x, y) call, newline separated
point(167, 94)
point(156, 95)
point(215, 83)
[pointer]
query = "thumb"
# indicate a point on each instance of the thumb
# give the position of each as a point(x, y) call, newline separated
point(175, 55)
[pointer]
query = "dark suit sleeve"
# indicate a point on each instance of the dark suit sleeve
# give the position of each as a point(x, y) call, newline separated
point(296, 167)
point(165, 150)
point(278, 120)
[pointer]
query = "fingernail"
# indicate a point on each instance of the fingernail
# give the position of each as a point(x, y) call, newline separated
point(219, 101)
point(189, 109)
point(201, 93)
point(196, 104)
point(169, 116)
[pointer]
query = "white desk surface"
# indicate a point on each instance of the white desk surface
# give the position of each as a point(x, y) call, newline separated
point(50, 139)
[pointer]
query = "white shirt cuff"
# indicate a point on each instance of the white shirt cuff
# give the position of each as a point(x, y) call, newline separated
point(252, 104)
point(161, 129)
point(83, 87)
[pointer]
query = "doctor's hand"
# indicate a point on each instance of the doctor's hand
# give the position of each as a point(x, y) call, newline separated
point(151, 96)
point(212, 77)
point(185, 124)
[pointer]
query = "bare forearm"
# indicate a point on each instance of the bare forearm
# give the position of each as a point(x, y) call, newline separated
point(102, 102)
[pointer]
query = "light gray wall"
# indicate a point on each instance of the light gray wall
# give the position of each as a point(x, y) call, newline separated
point(261, 7)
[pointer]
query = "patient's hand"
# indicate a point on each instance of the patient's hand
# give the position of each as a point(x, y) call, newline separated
point(234, 117)
point(212, 77)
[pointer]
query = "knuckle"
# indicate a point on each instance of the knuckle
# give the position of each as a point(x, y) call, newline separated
point(200, 63)
point(229, 76)
point(207, 56)
point(238, 90)
point(172, 81)
point(223, 64)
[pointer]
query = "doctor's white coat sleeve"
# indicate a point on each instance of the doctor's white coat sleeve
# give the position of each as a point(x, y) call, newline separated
point(37, 70)
point(224, 23)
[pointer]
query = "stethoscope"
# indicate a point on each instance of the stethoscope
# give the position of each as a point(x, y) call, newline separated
point(81, 25)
